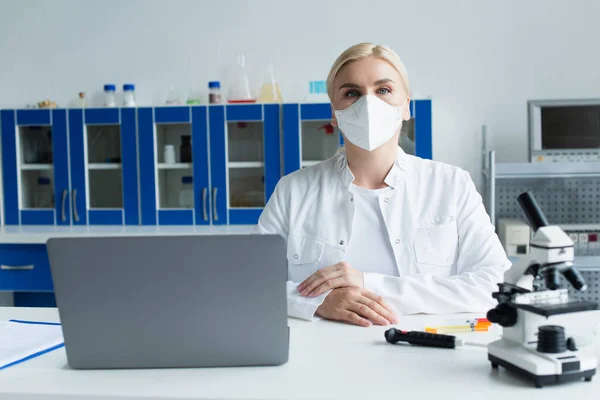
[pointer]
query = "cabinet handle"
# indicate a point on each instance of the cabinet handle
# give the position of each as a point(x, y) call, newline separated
point(75, 213)
point(215, 215)
point(16, 267)
point(63, 214)
point(204, 211)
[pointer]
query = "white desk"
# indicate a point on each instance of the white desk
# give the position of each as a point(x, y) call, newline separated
point(327, 361)
point(40, 234)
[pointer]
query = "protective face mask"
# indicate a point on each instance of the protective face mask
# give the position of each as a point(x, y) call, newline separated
point(369, 122)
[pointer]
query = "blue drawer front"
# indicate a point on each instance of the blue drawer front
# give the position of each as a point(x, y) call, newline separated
point(105, 217)
point(172, 115)
point(246, 112)
point(315, 112)
point(24, 267)
point(33, 117)
point(37, 217)
point(175, 217)
point(102, 116)
point(241, 216)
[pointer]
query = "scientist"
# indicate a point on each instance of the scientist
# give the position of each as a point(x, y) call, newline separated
point(373, 232)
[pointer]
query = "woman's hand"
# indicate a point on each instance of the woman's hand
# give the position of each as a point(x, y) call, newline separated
point(332, 277)
point(356, 306)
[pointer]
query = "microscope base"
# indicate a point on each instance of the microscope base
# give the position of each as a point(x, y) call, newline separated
point(540, 369)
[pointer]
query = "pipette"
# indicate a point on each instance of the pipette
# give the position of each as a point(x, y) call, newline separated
point(428, 339)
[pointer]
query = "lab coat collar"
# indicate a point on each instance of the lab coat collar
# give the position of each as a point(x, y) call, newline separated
point(400, 165)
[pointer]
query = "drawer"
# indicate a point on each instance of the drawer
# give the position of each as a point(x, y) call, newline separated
point(24, 267)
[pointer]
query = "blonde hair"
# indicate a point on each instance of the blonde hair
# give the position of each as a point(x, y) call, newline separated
point(364, 50)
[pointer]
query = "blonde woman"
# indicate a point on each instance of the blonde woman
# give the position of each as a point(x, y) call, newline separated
point(373, 233)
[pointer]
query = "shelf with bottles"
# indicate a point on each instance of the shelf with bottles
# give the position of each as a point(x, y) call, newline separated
point(35, 147)
point(37, 191)
point(174, 146)
point(246, 188)
point(104, 165)
point(175, 189)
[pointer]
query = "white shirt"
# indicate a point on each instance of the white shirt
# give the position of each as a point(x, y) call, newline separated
point(448, 256)
point(369, 249)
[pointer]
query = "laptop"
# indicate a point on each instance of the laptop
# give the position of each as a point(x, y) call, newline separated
point(171, 301)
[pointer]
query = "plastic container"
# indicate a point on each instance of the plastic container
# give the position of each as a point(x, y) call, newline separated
point(186, 193)
point(269, 91)
point(169, 154)
point(240, 91)
point(43, 197)
point(110, 100)
point(214, 92)
point(128, 95)
point(185, 149)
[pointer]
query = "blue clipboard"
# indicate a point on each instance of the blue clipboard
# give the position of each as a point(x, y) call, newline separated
point(39, 353)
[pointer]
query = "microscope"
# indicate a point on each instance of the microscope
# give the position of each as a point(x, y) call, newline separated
point(535, 321)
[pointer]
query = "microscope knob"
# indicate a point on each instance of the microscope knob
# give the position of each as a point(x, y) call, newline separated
point(503, 315)
point(551, 339)
point(571, 344)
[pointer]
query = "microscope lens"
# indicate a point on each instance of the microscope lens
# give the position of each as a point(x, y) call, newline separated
point(552, 278)
point(575, 278)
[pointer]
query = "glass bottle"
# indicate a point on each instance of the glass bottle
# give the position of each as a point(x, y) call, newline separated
point(185, 149)
point(214, 92)
point(186, 193)
point(239, 89)
point(269, 92)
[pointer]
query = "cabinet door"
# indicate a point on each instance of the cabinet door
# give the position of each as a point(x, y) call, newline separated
point(245, 159)
point(174, 165)
point(421, 115)
point(35, 167)
point(103, 152)
point(309, 137)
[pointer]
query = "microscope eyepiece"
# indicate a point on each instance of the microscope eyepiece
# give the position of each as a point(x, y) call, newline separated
point(533, 213)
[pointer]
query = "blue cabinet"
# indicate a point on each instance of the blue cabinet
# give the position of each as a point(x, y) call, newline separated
point(245, 160)
point(104, 172)
point(35, 167)
point(70, 167)
point(174, 165)
point(24, 268)
point(174, 191)
point(309, 138)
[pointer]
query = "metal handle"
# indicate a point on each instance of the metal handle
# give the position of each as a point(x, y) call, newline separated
point(74, 200)
point(215, 215)
point(204, 211)
point(16, 267)
point(63, 213)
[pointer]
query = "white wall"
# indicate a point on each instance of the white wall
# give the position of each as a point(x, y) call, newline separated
point(479, 60)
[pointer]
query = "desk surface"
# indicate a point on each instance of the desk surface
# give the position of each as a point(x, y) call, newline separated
point(327, 361)
point(40, 234)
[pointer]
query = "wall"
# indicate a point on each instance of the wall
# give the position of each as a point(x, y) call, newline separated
point(479, 60)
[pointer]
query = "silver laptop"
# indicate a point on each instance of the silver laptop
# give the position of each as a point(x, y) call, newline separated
point(171, 301)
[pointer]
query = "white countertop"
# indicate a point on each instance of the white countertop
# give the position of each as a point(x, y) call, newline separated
point(40, 234)
point(327, 361)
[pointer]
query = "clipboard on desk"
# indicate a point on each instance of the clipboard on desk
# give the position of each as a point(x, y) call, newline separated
point(23, 340)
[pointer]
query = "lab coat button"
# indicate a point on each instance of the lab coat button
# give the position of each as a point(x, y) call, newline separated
point(341, 242)
point(296, 256)
point(386, 199)
point(351, 198)
point(397, 241)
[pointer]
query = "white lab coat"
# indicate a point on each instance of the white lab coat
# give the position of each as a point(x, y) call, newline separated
point(448, 256)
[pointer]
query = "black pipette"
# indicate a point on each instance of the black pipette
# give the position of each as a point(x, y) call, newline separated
point(427, 339)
